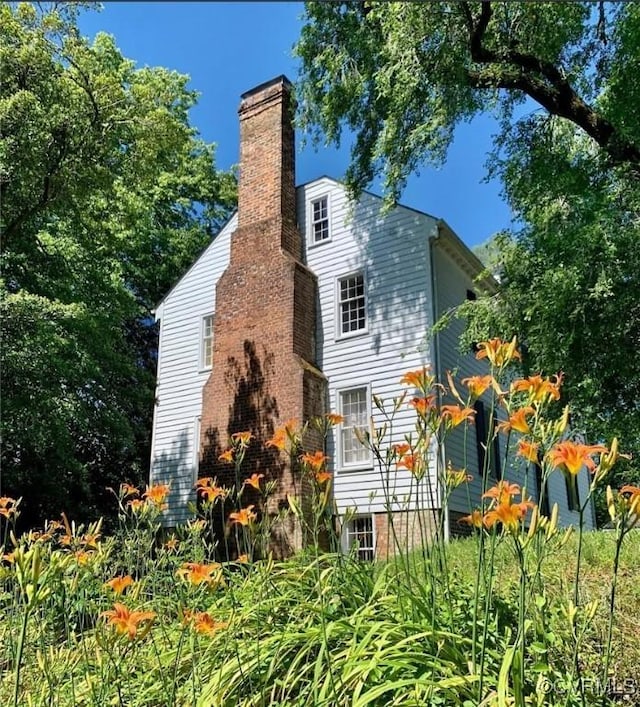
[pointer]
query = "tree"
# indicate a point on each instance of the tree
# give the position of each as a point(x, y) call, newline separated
point(107, 195)
point(562, 79)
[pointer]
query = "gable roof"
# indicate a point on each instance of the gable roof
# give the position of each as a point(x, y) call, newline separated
point(230, 224)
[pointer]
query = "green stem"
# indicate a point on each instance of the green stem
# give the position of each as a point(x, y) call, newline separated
point(21, 642)
point(612, 603)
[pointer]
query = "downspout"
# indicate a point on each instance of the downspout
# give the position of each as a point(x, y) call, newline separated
point(435, 341)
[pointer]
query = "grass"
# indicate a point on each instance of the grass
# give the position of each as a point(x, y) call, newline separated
point(521, 614)
point(313, 630)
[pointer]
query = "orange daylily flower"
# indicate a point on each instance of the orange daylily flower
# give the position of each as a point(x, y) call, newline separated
point(322, 477)
point(315, 461)
point(157, 493)
point(243, 559)
point(503, 491)
point(127, 490)
point(135, 505)
point(571, 457)
point(477, 384)
point(245, 516)
point(528, 450)
point(412, 462)
point(284, 437)
point(120, 583)
point(633, 500)
point(91, 540)
point(517, 421)
point(453, 415)
point(254, 481)
point(204, 481)
point(334, 419)
point(227, 456)
point(420, 379)
point(400, 449)
point(539, 389)
point(202, 622)
point(633, 490)
point(509, 514)
point(8, 506)
point(498, 352)
point(196, 573)
point(423, 405)
point(475, 519)
point(125, 621)
point(172, 543)
point(242, 438)
point(211, 493)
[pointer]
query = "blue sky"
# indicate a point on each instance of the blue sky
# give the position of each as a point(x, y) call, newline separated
point(228, 48)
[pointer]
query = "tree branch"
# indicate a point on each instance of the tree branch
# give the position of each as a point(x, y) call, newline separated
point(545, 83)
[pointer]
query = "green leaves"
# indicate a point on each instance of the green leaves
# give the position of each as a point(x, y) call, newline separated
point(108, 195)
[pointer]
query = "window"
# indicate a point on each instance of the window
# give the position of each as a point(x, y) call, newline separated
point(320, 219)
point(352, 310)
point(206, 353)
point(354, 408)
point(359, 535)
point(484, 443)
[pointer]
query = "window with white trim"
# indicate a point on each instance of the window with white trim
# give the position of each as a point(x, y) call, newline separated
point(320, 219)
point(360, 536)
point(354, 408)
point(206, 352)
point(352, 304)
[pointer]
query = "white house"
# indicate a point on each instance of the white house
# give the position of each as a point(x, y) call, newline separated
point(373, 285)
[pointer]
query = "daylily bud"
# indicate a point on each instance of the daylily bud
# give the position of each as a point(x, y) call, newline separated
point(611, 504)
point(563, 422)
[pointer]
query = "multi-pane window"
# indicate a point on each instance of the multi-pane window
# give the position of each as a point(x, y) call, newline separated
point(353, 305)
point(355, 411)
point(320, 219)
point(206, 354)
point(359, 535)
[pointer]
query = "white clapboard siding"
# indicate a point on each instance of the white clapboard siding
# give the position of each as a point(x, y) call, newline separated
point(392, 252)
point(452, 283)
point(175, 442)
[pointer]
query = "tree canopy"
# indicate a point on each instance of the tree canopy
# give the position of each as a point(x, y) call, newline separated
point(107, 194)
point(562, 78)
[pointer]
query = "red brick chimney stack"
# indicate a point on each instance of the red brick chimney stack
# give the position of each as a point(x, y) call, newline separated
point(264, 371)
point(267, 161)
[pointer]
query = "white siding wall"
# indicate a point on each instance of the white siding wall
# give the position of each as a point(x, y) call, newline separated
point(452, 283)
point(175, 443)
point(392, 252)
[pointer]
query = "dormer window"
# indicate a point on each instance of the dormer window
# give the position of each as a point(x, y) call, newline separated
point(320, 219)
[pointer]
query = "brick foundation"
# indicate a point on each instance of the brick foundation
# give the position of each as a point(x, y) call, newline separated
point(407, 526)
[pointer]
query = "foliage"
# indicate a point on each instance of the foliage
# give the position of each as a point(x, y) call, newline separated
point(403, 75)
point(107, 195)
point(504, 617)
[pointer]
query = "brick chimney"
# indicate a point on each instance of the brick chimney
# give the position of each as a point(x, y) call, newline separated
point(264, 371)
